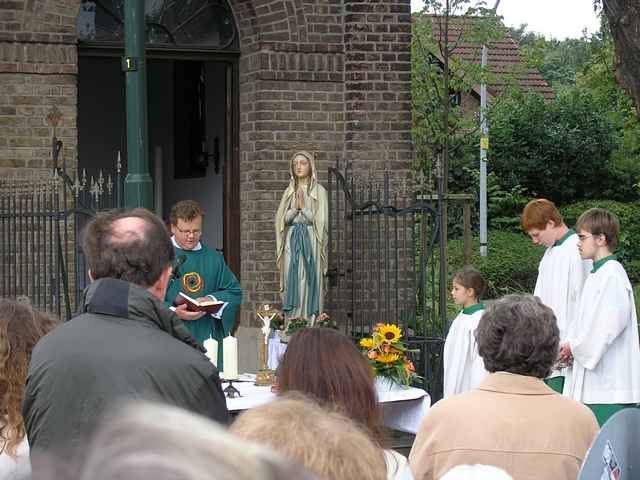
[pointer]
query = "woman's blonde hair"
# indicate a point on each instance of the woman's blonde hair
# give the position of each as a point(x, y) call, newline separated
point(21, 326)
point(327, 443)
point(149, 441)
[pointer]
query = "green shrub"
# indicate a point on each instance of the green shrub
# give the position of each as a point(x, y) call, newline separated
point(629, 214)
point(633, 270)
point(558, 150)
point(636, 292)
point(511, 265)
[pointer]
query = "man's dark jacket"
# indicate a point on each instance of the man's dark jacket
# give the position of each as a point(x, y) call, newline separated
point(124, 345)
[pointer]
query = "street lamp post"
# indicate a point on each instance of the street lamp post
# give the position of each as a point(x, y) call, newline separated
point(484, 145)
point(138, 186)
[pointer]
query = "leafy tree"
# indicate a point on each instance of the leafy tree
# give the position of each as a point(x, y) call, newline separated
point(588, 64)
point(558, 61)
point(441, 129)
point(598, 77)
point(559, 150)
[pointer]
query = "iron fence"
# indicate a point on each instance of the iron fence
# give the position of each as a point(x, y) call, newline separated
point(383, 265)
point(42, 214)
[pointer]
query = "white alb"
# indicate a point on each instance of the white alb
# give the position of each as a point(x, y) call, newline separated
point(463, 367)
point(604, 340)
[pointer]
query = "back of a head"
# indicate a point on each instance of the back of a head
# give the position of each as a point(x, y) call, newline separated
point(326, 366)
point(518, 334)
point(133, 246)
point(327, 443)
point(160, 442)
point(538, 212)
point(21, 327)
point(476, 472)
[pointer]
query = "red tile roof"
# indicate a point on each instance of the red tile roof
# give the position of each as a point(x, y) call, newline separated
point(504, 56)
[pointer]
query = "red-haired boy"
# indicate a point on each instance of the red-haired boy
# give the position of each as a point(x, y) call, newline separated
point(561, 273)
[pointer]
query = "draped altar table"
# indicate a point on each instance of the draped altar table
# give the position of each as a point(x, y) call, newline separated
point(402, 409)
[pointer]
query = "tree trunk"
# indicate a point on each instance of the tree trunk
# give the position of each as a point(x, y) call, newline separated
point(624, 22)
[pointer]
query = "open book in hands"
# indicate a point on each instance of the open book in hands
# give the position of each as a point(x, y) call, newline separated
point(209, 305)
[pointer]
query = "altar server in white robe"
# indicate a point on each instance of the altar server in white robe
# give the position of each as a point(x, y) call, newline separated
point(463, 367)
point(603, 342)
point(561, 272)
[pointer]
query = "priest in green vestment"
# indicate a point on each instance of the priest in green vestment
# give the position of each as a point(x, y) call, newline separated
point(201, 274)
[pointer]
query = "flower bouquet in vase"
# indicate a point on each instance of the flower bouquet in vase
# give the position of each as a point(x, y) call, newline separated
point(388, 357)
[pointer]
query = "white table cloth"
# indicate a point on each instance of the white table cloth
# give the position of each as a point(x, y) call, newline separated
point(402, 408)
point(276, 350)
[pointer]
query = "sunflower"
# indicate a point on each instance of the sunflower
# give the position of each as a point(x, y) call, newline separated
point(390, 333)
point(367, 343)
point(388, 358)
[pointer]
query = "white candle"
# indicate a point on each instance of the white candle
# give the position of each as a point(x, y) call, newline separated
point(230, 357)
point(211, 346)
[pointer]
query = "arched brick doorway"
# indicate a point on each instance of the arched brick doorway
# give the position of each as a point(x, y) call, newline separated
point(332, 76)
point(192, 51)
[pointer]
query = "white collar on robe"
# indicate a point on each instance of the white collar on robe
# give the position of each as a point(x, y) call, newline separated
point(175, 244)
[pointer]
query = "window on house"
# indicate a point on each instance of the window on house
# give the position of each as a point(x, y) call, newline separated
point(168, 23)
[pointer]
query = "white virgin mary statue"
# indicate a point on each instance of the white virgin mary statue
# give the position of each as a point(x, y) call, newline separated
point(301, 241)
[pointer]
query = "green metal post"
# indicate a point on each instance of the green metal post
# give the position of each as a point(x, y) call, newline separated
point(138, 186)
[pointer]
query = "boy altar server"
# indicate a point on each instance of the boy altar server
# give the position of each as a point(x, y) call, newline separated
point(603, 341)
point(561, 273)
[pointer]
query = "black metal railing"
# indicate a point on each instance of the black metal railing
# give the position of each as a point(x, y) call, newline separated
point(41, 216)
point(383, 265)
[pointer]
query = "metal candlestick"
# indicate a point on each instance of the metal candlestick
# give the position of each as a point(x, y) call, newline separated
point(231, 391)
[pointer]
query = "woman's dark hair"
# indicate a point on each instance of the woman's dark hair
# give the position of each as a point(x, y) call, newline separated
point(469, 277)
point(518, 334)
point(326, 366)
point(137, 253)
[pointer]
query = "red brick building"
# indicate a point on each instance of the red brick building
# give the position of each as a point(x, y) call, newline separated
point(506, 63)
point(332, 76)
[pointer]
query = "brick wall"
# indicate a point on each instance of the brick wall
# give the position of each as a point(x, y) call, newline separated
point(38, 67)
point(331, 76)
point(378, 84)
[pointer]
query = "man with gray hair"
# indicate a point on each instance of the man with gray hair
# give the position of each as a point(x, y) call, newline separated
point(125, 344)
point(512, 420)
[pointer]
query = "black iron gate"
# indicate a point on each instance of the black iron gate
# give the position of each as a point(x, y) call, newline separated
point(383, 266)
point(41, 216)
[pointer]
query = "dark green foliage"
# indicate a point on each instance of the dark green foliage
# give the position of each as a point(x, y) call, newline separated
point(557, 150)
point(557, 60)
point(629, 215)
point(599, 78)
point(633, 270)
point(511, 265)
point(504, 206)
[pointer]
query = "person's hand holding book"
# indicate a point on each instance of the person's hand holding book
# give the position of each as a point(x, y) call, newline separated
point(198, 305)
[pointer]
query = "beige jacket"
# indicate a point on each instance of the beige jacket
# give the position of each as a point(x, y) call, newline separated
point(513, 422)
